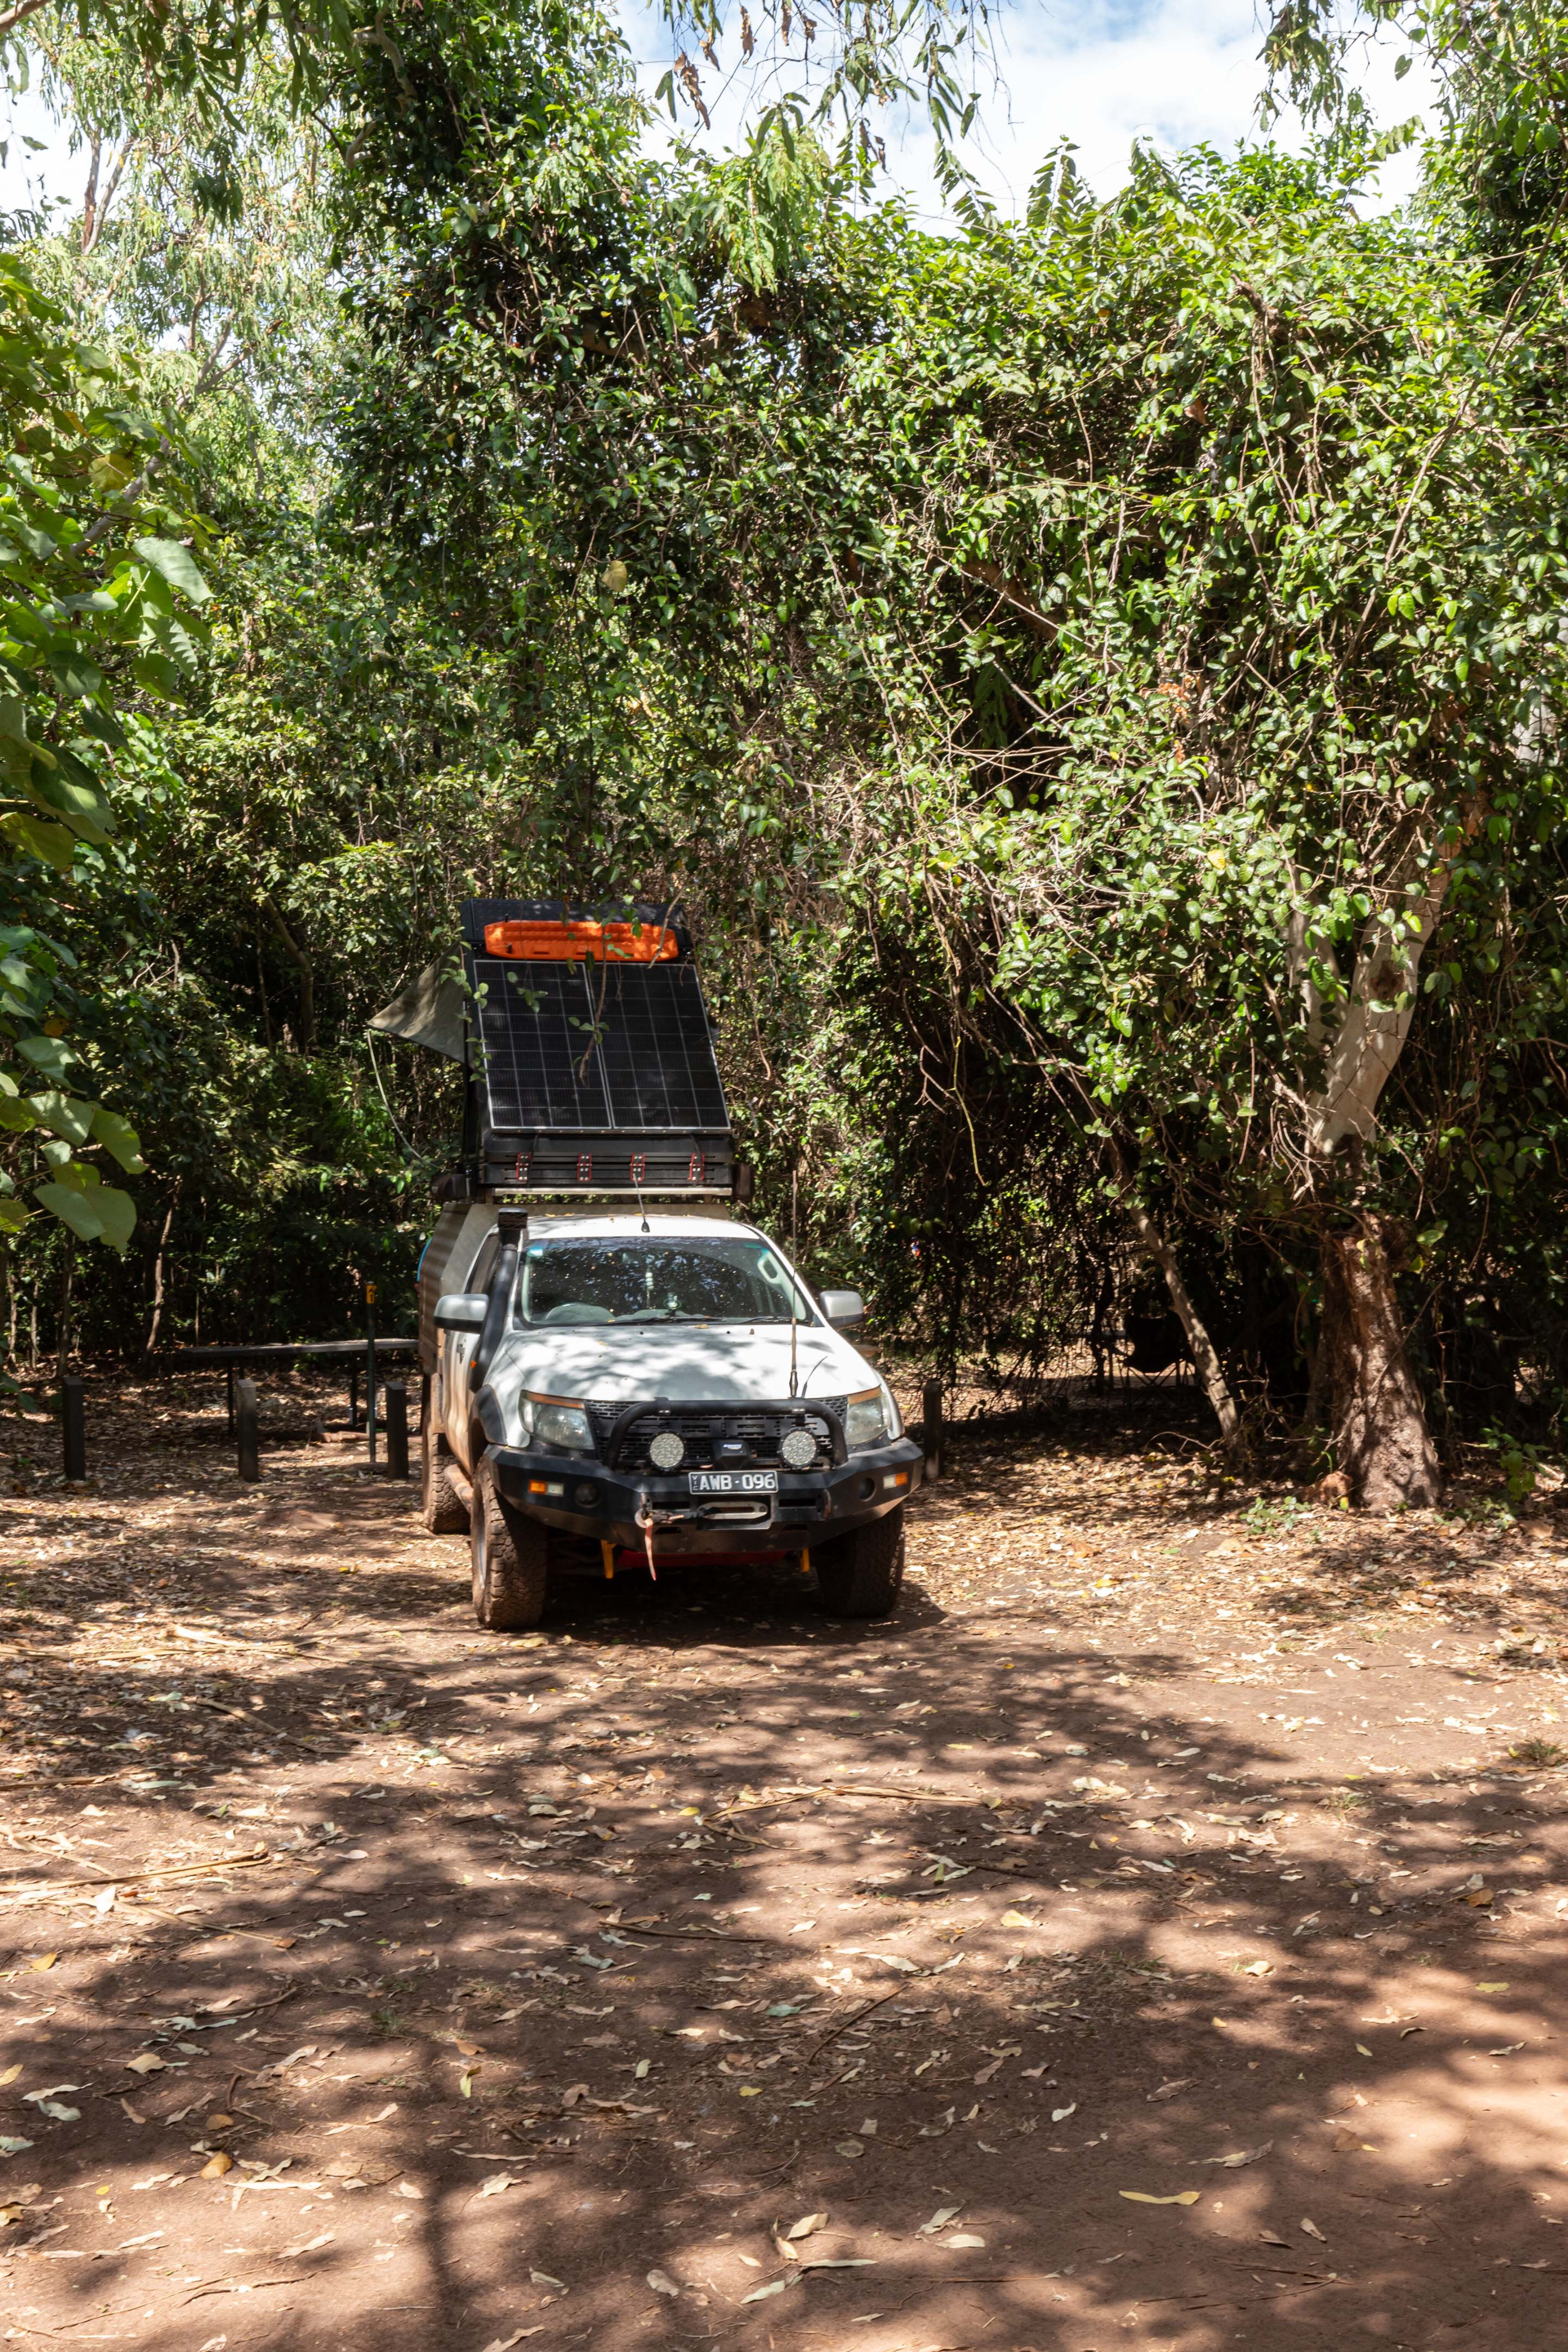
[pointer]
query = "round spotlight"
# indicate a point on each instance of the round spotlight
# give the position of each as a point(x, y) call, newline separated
point(799, 1449)
point(667, 1452)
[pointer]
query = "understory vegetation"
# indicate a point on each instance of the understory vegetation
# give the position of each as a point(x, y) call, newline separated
point(1094, 680)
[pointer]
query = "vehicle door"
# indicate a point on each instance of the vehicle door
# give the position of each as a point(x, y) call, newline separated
point(457, 1354)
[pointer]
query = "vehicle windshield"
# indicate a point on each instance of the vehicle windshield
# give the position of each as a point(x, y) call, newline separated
point(657, 1282)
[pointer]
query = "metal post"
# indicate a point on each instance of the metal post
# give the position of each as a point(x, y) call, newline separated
point(931, 1406)
point(228, 1369)
point(370, 1368)
point(396, 1395)
point(73, 1414)
point(248, 1415)
point(354, 1398)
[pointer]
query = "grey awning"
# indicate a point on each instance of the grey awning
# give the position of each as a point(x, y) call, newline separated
point(430, 1011)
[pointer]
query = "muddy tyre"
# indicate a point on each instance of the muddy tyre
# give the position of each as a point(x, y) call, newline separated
point(441, 1507)
point(511, 1556)
point(860, 1574)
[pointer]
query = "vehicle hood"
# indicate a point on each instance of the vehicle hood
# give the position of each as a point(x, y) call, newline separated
point(719, 1364)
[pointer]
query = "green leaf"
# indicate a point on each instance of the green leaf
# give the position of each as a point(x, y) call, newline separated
point(117, 1213)
point(55, 843)
point(74, 673)
point(73, 1209)
point(100, 1212)
point(176, 564)
point(48, 1054)
point(63, 1116)
point(117, 1138)
point(73, 790)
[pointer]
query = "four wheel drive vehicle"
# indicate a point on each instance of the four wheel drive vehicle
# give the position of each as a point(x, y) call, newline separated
point(621, 1391)
point(618, 1371)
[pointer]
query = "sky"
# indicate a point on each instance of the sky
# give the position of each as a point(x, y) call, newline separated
point(1101, 72)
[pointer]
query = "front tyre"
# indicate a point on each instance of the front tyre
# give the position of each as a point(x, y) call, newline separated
point(511, 1556)
point(860, 1574)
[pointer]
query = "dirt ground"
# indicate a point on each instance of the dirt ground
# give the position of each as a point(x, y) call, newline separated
point(1153, 1937)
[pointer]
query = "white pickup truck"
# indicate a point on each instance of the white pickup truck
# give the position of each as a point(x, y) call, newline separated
point(622, 1391)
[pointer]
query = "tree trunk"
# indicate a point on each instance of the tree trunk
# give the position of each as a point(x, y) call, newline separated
point(1381, 1440)
point(1205, 1354)
point(301, 957)
point(158, 1272)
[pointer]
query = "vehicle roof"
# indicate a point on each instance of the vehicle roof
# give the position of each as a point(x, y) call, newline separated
point(631, 1225)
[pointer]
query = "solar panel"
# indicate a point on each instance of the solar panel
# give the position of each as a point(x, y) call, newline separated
point(617, 1046)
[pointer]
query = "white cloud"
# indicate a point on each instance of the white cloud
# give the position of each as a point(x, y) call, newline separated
point(1179, 73)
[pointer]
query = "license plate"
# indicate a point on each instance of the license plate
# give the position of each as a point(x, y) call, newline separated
point(733, 1481)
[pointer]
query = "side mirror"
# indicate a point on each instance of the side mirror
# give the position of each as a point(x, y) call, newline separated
point(462, 1310)
point(842, 1306)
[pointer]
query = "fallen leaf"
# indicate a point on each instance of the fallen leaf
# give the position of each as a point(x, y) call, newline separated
point(662, 2283)
point(496, 2184)
point(1480, 1987)
point(311, 2246)
point(963, 2238)
point(149, 2062)
point(1362, 2050)
point(1182, 2197)
point(811, 2222)
point(542, 2278)
point(848, 2148)
point(1169, 2090)
point(215, 2167)
point(761, 2293)
point(1061, 2114)
point(407, 2188)
point(9, 2147)
point(1314, 2232)
point(1259, 1968)
point(505, 2343)
point(939, 2219)
point(1242, 2155)
point(847, 2262)
point(368, 2174)
point(45, 1960)
point(1017, 1919)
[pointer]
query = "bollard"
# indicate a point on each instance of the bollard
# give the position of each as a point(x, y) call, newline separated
point(248, 1417)
point(73, 1413)
point(394, 1398)
point(930, 1433)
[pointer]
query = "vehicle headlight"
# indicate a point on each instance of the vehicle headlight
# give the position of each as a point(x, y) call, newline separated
point(872, 1418)
point(554, 1425)
point(798, 1450)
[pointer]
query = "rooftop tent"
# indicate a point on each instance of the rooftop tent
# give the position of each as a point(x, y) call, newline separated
point(589, 1056)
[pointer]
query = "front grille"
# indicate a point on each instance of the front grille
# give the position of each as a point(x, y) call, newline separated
point(716, 1436)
